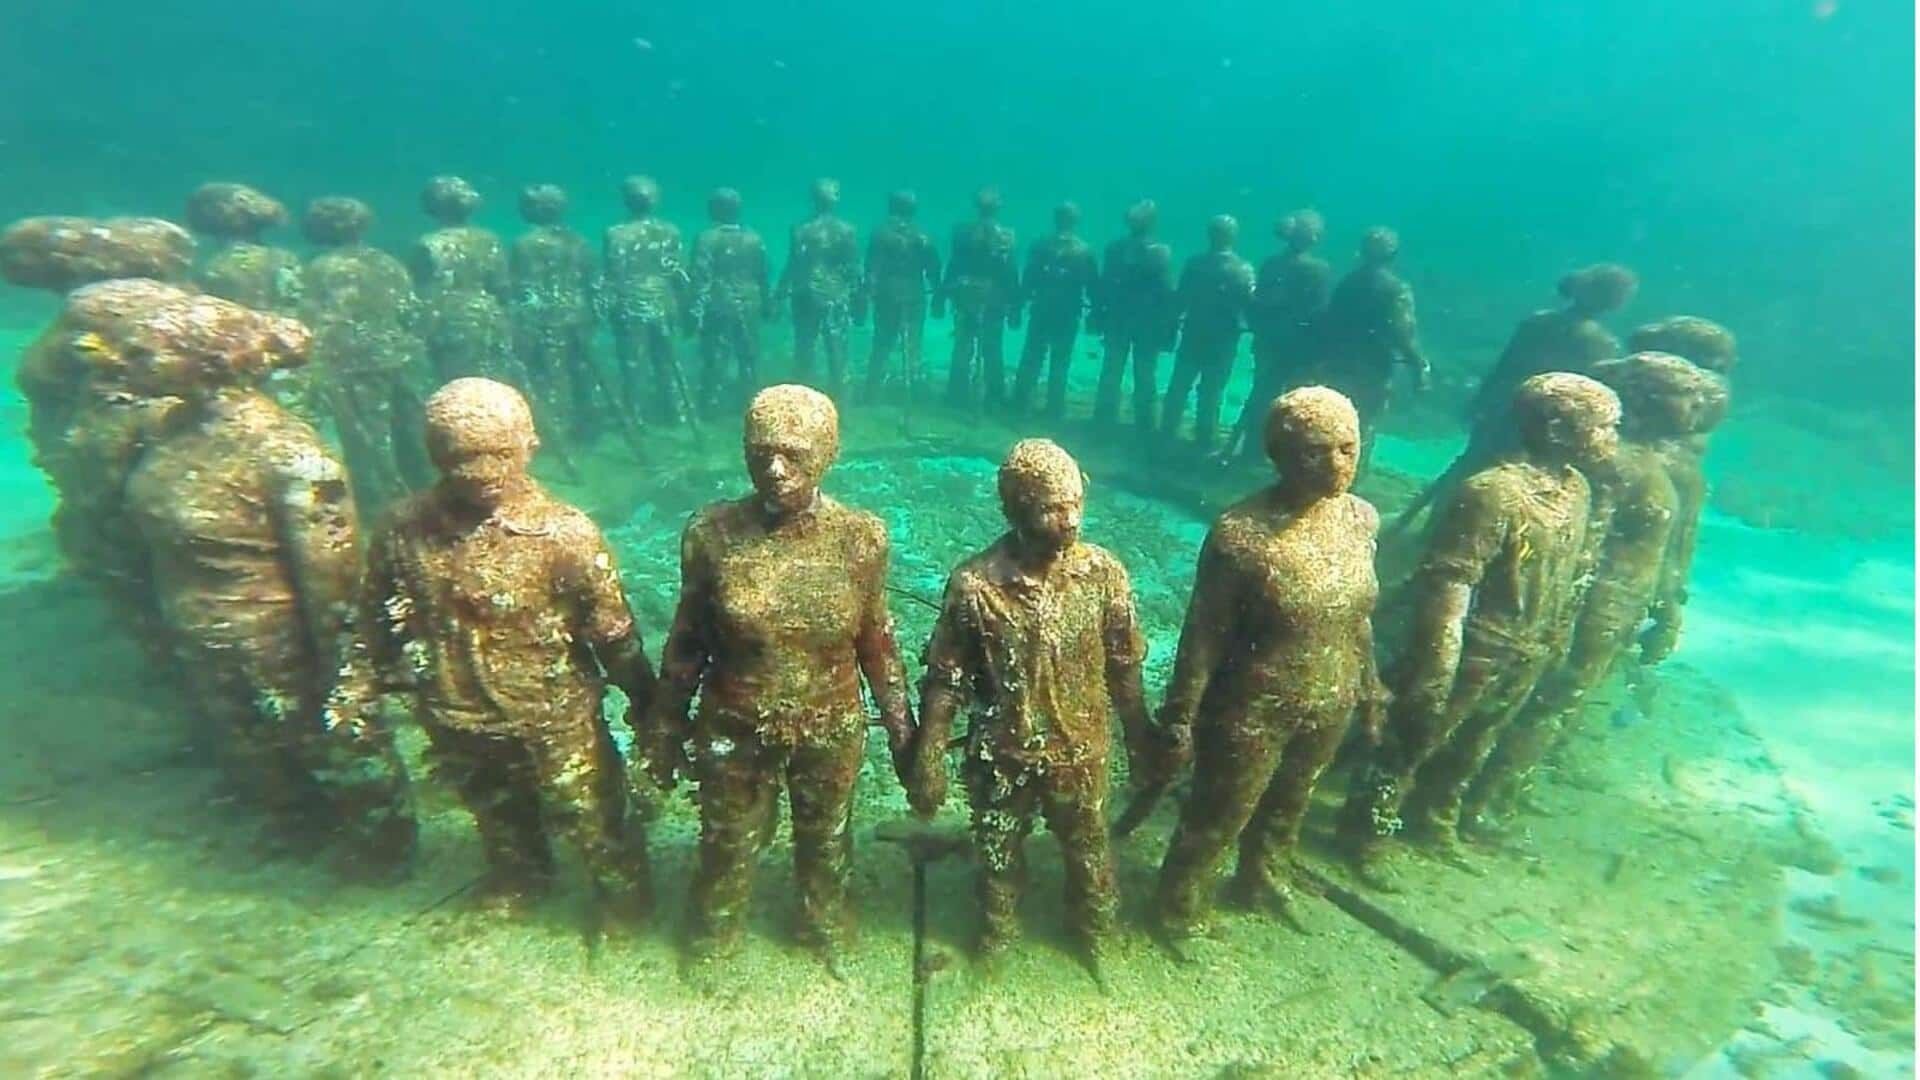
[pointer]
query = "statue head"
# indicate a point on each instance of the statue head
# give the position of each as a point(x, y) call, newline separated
point(641, 194)
point(543, 204)
point(987, 201)
point(1066, 216)
point(233, 211)
point(1379, 246)
point(792, 437)
point(826, 195)
point(1301, 230)
point(1702, 341)
point(480, 436)
point(1222, 231)
point(1143, 217)
point(159, 340)
point(1600, 288)
point(902, 203)
point(1663, 396)
point(335, 221)
point(723, 206)
point(449, 200)
point(1313, 440)
point(1042, 495)
point(1567, 418)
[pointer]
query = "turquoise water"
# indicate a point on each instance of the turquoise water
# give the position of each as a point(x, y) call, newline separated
point(1751, 161)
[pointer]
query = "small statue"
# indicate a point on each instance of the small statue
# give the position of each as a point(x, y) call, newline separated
point(496, 611)
point(1215, 289)
point(983, 284)
point(822, 281)
point(243, 270)
point(1491, 601)
point(1367, 330)
point(554, 283)
point(782, 616)
point(644, 293)
point(1275, 660)
point(1061, 273)
point(1664, 400)
point(460, 271)
point(369, 370)
point(1289, 295)
point(1137, 309)
point(247, 528)
point(1037, 638)
point(903, 269)
point(730, 301)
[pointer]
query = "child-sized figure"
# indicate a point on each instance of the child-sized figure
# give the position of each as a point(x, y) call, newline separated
point(243, 270)
point(496, 610)
point(1276, 658)
point(1664, 400)
point(1136, 309)
point(782, 616)
point(822, 280)
point(249, 532)
point(460, 271)
point(1037, 639)
point(553, 290)
point(1061, 273)
point(644, 294)
point(903, 268)
point(983, 284)
point(730, 300)
point(1491, 602)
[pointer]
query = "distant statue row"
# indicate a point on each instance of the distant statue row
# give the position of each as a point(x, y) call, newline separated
point(224, 532)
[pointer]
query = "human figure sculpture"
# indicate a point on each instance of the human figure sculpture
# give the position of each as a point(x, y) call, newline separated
point(1491, 602)
point(460, 272)
point(822, 283)
point(246, 525)
point(370, 372)
point(1137, 311)
point(903, 269)
point(782, 617)
point(1038, 641)
point(983, 285)
point(644, 292)
point(1215, 289)
point(1704, 342)
point(1275, 660)
point(1061, 274)
point(554, 287)
point(494, 611)
point(244, 270)
point(1368, 329)
point(1290, 293)
point(1664, 400)
point(730, 301)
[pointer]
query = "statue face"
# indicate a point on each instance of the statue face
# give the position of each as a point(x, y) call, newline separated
point(1322, 462)
point(1049, 520)
point(787, 468)
point(1590, 439)
point(481, 478)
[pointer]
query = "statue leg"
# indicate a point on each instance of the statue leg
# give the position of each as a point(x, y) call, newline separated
point(1231, 768)
point(820, 783)
point(738, 791)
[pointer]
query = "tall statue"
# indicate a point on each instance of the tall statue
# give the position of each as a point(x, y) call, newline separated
point(903, 269)
point(782, 618)
point(822, 282)
point(644, 292)
point(1137, 310)
point(1061, 274)
point(554, 287)
point(460, 271)
point(1289, 295)
point(983, 284)
point(1215, 289)
point(730, 300)
point(242, 269)
point(1368, 329)
point(1276, 659)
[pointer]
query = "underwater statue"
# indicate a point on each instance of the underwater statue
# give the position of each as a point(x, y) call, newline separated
point(983, 285)
point(1704, 342)
point(1038, 641)
point(369, 370)
point(822, 281)
point(495, 611)
point(1664, 400)
point(1367, 330)
point(1491, 603)
point(782, 617)
point(1137, 311)
point(730, 300)
point(644, 295)
point(244, 270)
point(903, 269)
point(1290, 292)
point(460, 271)
point(554, 284)
point(247, 527)
point(1061, 274)
point(1215, 289)
point(62, 253)
point(1275, 660)
point(1568, 338)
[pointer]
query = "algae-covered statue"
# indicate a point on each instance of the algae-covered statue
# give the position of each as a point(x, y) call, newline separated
point(1567, 338)
point(782, 617)
point(644, 295)
point(553, 312)
point(495, 611)
point(1702, 341)
point(369, 369)
point(1368, 329)
point(1275, 660)
point(983, 285)
point(1491, 601)
point(822, 282)
point(1137, 310)
point(1290, 291)
point(903, 269)
point(460, 271)
point(1664, 400)
point(1038, 641)
point(247, 528)
point(1061, 273)
point(244, 270)
point(730, 300)
point(1215, 289)
point(62, 253)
